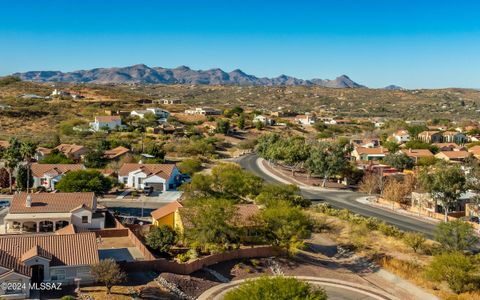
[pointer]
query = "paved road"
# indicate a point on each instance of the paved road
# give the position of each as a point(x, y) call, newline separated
point(346, 199)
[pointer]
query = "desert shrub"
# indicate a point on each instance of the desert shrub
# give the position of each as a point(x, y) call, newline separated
point(183, 257)
point(455, 235)
point(456, 269)
point(390, 230)
point(276, 288)
point(414, 240)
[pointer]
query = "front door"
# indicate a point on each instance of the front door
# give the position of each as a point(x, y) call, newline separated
point(37, 273)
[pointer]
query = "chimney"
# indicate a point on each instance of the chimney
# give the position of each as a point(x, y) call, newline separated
point(28, 201)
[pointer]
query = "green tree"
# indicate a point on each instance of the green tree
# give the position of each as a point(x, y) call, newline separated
point(209, 222)
point(399, 161)
point(259, 125)
point(56, 157)
point(392, 147)
point(84, 181)
point(270, 194)
point(12, 157)
point(445, 184)
point(276, 288)
point(190, 166)
point(24, 178)
point(157, 151)
point(223, 126)
point(327, 160)
point(94, 159)
point(285, 226)
point(27, 152)
point(108, 272)
point(241, 122)
point(4, 178)
point(161, 238)
point(455, 235)
point(414, 240)
point(456, 269)
point(230, 180)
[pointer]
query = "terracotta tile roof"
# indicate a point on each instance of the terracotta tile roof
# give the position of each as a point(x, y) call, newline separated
point(63, 250)
point(44, 151)
point(162, 170)
point(166, 210)
point(363, 150)
point(415, 153)
point(69, 149)
point(475, 150)
point(38, 170)
point(106, 119)
point(51, 202)
point(116, 152)
point(454, 154)
point(69, 229)
point(451, 133)
point(36, 251)
point(401, 132)
point(428, 133)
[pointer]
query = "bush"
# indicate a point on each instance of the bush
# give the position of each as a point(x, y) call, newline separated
point(84, 181)
point(456, 269)
point(68, 297)
point(455, 235)
point(276, 288)
point(190, 166)
point(183, 257)
point(414, 240)
point(390, 230)
point(161, 238)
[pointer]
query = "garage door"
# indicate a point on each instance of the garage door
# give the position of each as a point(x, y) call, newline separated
point(156, 186)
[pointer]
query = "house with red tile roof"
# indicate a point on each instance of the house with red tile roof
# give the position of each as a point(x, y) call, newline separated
point(116, 153)
point(47, 175)
point(159, 177)
point(60, 259)
point(453, 156)
point(49, 212)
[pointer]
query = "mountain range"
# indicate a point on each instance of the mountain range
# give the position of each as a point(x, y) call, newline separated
point(180, 75)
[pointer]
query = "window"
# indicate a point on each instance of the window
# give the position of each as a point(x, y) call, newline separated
point(84, 219)
point(57, 274)
point(83, 271)
point(125, 180)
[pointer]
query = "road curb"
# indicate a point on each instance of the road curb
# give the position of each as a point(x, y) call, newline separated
point(218, 292)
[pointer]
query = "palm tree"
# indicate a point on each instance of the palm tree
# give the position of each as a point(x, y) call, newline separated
point(27, 151)
point(11, 157)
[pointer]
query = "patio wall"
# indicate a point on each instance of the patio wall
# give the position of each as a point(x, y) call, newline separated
point(163, 265)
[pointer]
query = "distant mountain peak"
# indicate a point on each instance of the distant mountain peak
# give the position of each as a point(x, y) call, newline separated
point(141, 73)
point(393, 87)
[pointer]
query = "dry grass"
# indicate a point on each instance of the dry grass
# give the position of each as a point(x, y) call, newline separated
point(390, 253)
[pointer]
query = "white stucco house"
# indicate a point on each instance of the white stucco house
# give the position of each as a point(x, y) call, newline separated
point(106, 122)
point(159, 177)
point(401, 136)
point(306, 119)
point(264, 120)
point(160, 113)
point(49, 212)
point(47, 175)
point(45, 258)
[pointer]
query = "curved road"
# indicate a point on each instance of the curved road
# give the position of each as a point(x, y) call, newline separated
point(347, 199)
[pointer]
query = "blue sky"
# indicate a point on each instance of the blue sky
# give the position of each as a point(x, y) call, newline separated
point(410, 43)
